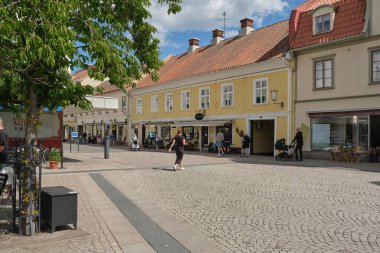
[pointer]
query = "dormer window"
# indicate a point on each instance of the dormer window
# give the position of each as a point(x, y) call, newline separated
point(322, 24)
point(323, 19)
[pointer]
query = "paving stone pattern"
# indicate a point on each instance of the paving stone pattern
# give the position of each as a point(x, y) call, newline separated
point(267, 208)
point(92, 234)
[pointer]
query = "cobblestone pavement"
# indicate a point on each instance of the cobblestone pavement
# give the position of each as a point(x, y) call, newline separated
point(92, 234)
point(266, 208)
point(240, 205)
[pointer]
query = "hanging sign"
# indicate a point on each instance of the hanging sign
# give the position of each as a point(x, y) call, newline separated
point(199, 116)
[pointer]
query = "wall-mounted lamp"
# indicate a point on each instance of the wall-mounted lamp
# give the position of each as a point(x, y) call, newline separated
point(200, 111)
point(274, 98)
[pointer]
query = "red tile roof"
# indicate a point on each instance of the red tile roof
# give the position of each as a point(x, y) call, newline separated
point(106, 85)
point(80, 75)
point(260, 45)
point(349, 21)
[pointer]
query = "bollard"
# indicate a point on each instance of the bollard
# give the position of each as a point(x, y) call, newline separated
point(78, 145)
point(107, 147)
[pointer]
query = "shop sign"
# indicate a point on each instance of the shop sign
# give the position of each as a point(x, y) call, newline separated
point(199, 116)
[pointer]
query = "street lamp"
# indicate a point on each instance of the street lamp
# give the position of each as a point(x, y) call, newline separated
point(274, 98)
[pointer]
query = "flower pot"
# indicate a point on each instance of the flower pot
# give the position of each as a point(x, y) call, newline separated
point(53, 164)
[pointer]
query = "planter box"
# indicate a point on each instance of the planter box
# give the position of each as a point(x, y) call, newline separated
point(58, 206)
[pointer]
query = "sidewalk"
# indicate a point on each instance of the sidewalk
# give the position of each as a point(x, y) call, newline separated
point(103, 225)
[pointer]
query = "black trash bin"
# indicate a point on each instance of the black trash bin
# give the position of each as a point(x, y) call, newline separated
point(59, 206)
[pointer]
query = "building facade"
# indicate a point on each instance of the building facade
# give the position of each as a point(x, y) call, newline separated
point(240, 85)
point(336, 45)
point(109, 112)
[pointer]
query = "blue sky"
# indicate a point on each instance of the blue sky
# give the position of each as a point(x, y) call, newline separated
point(199, 17)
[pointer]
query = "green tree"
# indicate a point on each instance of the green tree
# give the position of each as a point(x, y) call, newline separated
point(40, 40)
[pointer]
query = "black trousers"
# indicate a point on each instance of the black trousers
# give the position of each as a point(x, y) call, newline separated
point(179, 155)
point(298, 149)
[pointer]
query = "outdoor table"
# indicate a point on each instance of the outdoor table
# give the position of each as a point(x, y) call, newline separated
point(347, 154)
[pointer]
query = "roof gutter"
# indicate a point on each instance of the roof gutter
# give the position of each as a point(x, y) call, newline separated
point(330, 43)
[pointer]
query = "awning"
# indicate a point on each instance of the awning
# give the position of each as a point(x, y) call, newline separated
point(202, 123)
point(343, 113)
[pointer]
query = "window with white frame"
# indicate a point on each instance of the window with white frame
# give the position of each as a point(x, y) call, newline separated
point(168, 102)
point(139, 105)
point(154, 103)
point(375, 60)
point(227, 95)
point(323, 19)
point(204, 98)
point(261, 91)
point(185, 100)
point(323, 73)
point(323, 23)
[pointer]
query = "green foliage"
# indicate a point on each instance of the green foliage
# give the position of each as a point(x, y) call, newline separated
point(42, 39)
point(54, 155)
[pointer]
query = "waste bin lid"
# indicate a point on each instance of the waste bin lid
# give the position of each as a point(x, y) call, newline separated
point(58, 190)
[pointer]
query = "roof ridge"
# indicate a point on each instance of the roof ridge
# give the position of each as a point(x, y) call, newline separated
point(226, 41)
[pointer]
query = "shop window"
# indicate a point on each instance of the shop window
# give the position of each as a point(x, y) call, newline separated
point(341, 131)
point(188, 132)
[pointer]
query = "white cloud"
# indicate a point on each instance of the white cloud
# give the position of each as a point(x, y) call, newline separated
point(203, 15)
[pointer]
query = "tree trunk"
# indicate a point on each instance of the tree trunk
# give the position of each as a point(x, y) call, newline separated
point(29, 165)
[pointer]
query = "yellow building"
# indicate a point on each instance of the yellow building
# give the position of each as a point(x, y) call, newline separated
point(241, 85)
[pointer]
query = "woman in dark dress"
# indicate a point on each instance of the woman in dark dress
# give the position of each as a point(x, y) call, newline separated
point(179, 141)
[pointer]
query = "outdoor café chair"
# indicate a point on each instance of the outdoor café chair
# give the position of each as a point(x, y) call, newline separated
point(8, 184)
point(3, 182)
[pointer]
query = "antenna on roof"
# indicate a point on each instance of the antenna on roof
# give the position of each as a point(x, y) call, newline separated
point(224, 22)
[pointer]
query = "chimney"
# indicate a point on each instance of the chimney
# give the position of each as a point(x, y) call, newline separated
point(246, 26)
point(193, 45)
point(217, 36)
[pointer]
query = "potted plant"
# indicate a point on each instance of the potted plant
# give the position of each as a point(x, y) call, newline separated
point(54, 158)
point(372, 154)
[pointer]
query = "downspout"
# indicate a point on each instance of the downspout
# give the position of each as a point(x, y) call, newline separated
point(368, 18)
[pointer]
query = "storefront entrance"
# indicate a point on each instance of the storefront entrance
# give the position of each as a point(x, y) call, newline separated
point(204, 137)
point(375, 132)
point(262, 135)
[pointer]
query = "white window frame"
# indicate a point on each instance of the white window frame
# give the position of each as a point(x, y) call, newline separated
point(322, 12)
point(324, 72)
point(255, 91)
point(167, 106)
point(185, 98)
point(139, 106)
point(206, 97)
point(223, 93)
point(154, 104)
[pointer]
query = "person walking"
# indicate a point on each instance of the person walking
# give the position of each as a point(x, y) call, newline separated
point(3, 145)
point(180, 142)
point(227, 141)
point(245, 145)
point(219, 142)
point(298, 139)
